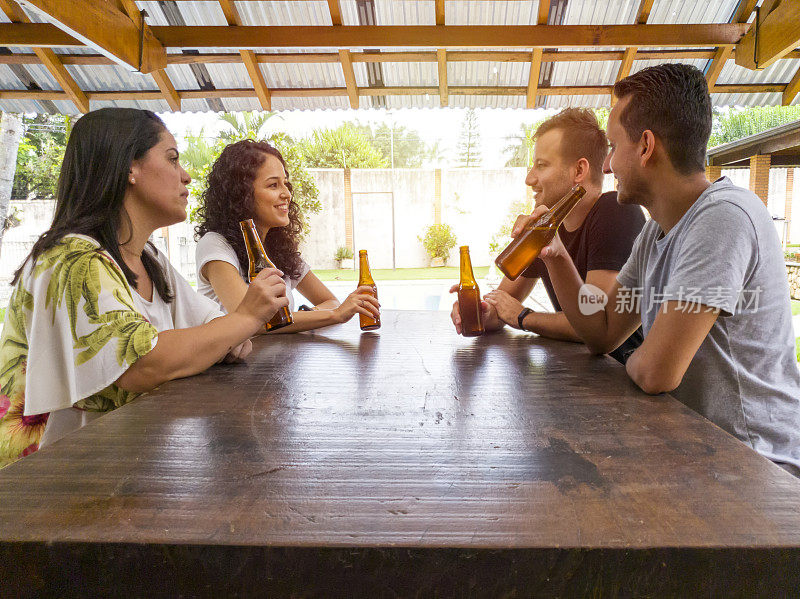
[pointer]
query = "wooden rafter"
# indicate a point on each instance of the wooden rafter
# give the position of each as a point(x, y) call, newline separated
point(249, 58)
point(533, 78)
point(336, 12)
point(792, 89)
point(260, 86)
point(49, 59)
point(536, 57)
point(194, 94)
point(645, 6)
point(349, 78)
point(451, 36)
point(442, 64)
point(35, 35)
point(101, 25)
point(160, 76)
point(778, 34)
point(439, 8)
point(333, 57)
point(722, 55)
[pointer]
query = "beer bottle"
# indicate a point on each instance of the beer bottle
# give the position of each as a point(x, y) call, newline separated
point(469, 298)
point(368, 323)
point(523, 250)
point(257, 261)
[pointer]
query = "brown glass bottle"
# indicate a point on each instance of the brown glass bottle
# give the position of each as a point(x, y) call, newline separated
point(525, 248)
point(469, 298)
point(368, 323)
point(257, 261)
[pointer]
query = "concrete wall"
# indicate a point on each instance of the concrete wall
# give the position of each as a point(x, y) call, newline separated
point(475, 203)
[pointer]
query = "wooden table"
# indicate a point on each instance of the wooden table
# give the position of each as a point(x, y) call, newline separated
point(401, 462)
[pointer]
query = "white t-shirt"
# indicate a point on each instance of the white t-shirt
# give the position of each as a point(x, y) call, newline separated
point(187, 309)
point(213, 246)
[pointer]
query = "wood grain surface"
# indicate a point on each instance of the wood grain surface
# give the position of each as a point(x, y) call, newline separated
point(406, 461)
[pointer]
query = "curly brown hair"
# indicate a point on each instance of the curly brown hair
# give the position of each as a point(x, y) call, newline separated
point(229, 199)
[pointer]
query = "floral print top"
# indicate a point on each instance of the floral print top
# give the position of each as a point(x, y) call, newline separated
point(71, 330)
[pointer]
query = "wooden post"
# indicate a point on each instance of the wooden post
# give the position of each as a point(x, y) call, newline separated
point(348, 211)
point(437, 197)
point(713, 172)
point(759, 175)
point(787, 211)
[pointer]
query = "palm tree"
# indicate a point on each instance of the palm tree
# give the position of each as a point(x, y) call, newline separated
point(244, 125)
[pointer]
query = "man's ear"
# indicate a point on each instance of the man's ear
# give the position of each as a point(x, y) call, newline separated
point(581, 171)
point(647, 145)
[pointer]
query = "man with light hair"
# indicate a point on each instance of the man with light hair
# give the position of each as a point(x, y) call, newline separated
point(599, 232)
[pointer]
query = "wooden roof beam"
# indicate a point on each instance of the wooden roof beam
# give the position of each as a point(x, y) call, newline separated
point(645, 6)
point(249, 58)
point(336, 12)
point(442, 64)
point(49, 59)
point(792, 89)
point(160, 77)
point(13, 94)
point(439, 8)
point(102, 26)
point(778, 34)
point(536, 57)
point(39, 35)
point(450, 36)
point(721, 56)
point(349, 78)
point(533, 78)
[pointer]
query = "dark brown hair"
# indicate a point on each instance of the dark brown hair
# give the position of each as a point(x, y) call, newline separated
point(229, 199)
point(672, 101)
point(582, 137)
point(91, 187)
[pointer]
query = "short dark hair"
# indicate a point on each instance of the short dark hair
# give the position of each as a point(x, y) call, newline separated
point(672, 101)
point(582, 137)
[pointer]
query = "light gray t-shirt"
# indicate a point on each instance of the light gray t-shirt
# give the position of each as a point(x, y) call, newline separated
point(725, 253)
point(213, 246)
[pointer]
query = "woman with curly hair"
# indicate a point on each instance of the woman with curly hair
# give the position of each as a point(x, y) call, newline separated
point(250, 180)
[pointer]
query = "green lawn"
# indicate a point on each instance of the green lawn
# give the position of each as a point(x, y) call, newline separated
point(795, 307)
point(400, 274)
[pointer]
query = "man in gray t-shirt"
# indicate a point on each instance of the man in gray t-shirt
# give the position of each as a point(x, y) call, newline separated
point(705, 278)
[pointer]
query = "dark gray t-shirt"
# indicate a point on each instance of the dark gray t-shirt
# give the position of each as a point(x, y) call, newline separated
point(725, 253)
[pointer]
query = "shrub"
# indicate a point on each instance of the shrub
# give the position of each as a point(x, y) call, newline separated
point(343, 253)
point(438, 241)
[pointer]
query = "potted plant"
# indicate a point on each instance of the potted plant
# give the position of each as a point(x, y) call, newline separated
point(438, 240)
point(343, 257)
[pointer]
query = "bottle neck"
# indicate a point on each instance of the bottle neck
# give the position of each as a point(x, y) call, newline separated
point(255, 249)
point(364, 274)
point(564, 206)
point(467, 276)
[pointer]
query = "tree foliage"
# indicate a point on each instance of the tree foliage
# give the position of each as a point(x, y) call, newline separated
point(400, 146)
point(39, 156)
point(469, 141)
point(739, 123)
point(343, 147)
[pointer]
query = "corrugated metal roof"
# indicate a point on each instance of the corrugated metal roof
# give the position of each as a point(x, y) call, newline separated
point(393, 74)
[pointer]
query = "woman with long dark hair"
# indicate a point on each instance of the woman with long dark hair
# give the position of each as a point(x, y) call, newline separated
point(97, 315)
point(250, 180)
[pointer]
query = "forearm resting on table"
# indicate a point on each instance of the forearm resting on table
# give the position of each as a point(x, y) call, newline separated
point(594, 330)
point(553, 325)
point(308, 320)
point(183, 352)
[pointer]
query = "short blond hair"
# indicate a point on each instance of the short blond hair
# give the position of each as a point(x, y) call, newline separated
point(582, 137)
